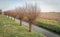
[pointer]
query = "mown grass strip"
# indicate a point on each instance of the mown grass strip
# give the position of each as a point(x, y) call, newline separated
point(51, 25)
point(9, 28)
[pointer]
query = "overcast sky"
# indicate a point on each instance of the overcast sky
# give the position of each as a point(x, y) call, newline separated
point(44, 5)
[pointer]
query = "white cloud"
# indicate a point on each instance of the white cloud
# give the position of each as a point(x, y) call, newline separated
point(45, 5)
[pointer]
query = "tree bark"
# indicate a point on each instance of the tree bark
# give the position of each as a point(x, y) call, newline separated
point(30, 27)
point(20, 22)
point(14, 18)
point(11, 18)
point(8, 16)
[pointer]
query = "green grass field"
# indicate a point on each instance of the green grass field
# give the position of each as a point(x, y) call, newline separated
point(49, 24)
point(9, 28)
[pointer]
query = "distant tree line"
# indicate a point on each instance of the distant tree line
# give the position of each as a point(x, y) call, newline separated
point(0, 11)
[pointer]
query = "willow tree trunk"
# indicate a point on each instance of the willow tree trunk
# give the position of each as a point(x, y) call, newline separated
point(20, 22)
point(30, 27)
point(11, 17)
point(8, 16)
point(14, 18)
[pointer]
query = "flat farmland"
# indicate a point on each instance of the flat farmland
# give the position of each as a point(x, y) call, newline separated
point(50, 16)
point(50, 21)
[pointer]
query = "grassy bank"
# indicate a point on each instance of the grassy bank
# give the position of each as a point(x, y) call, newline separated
point(49, 24)
point(9, 28)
